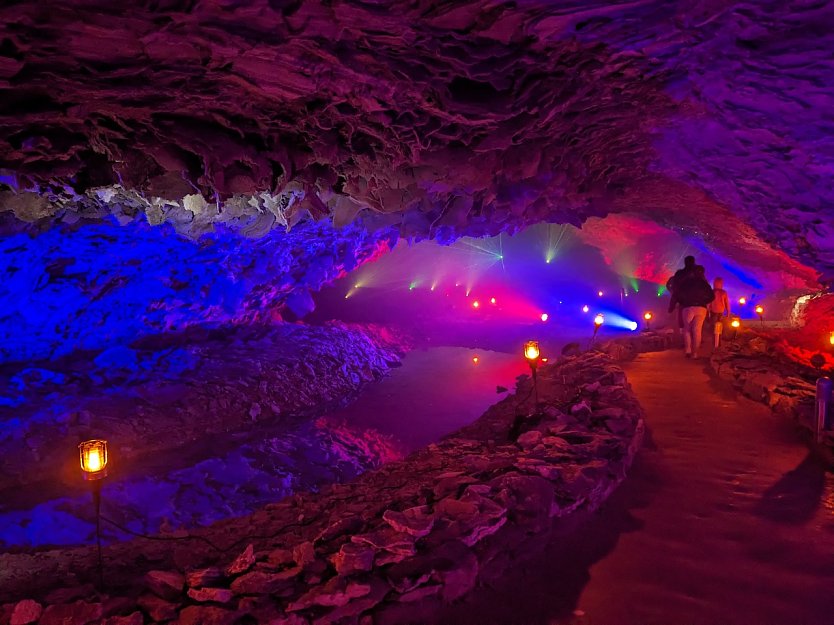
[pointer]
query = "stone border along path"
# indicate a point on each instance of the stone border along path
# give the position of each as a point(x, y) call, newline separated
point(416, 530)
point(755, 369)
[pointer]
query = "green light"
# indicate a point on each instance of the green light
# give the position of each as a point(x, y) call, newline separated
point(412, 286)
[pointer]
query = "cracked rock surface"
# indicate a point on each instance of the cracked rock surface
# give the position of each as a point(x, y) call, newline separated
point(440, 118)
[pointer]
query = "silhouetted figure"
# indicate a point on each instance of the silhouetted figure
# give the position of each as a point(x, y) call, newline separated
point(693, 294)
point(688, 267)
point(719, 309)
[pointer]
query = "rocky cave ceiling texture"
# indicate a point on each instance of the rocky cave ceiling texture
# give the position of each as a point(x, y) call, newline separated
point(439, 118)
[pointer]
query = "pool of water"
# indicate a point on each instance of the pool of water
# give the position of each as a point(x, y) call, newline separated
point(435, 391)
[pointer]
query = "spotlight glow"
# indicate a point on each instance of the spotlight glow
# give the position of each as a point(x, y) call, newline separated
point(599, 319)
point(632, 325)
point(476, 304)
point(544, 317)
point(585, 309)
point(599, 293)
point(491, 300)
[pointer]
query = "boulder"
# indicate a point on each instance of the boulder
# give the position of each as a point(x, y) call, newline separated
point(206, 615)
point(158, 609)
point(265, 583)
point(243, 562)
point(133, 619)
point(416, 521)
point(165, 584)
point(215, 595)
point(354, 558)
point(78, 613)
point(25, 612)
point(203, 577)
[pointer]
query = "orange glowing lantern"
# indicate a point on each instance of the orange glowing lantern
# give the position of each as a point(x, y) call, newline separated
point(476, 360)
point(760, 310)
point(476, 304)
point(647, 316)
point(735, 323)
point(93, 459)
point(599, 320)
point(831, 338)
point(544, 317)
point(544, 360)
point(742, 300)
point(531, 351)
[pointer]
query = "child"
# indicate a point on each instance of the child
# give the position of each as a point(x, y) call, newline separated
point(719, 308)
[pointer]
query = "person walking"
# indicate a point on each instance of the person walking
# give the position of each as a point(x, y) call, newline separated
point(719, 309)
point(693, 294)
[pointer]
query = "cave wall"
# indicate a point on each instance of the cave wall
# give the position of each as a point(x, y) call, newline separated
point(94, 285)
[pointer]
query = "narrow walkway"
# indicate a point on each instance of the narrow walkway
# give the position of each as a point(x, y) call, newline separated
point(725, 518)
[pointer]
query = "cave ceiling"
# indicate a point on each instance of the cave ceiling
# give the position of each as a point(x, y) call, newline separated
point(442, 118)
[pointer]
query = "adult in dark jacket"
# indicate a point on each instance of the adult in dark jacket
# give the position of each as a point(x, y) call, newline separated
point(693, 294)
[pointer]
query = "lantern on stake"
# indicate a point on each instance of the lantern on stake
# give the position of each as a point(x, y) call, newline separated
point(93, 459)
point(598, 321)
point(648, 317)
point(532, 353)
point(760, 312)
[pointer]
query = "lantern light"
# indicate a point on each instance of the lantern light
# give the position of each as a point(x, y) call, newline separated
point(544, 360)
point(585, 309)
point(93, 459)
point(491, 300)
point(531, 351)
point(759, 309)
point(476, 304)
point(475, 359)
point(647, 316)
point(831, 338)
point(742, 300)
point(599, 320)
point(735, 323)
point(599, 293)
point(544, 317)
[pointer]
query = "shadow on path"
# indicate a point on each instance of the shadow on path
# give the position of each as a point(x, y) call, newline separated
point(797, 495)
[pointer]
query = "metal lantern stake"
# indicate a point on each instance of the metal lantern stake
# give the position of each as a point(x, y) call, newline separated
point(760, 312)
point(735, 324)
point(598, 321)
point(93, 458)
point(648, 317)
point(823, 400)
point(532, 353)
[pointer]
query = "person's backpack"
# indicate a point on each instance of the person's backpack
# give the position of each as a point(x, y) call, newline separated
point(693, 290)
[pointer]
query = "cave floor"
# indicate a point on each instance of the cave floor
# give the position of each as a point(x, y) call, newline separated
point(726, 517)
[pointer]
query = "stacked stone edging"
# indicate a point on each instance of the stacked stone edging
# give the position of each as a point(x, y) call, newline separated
point(419, 530)
point(756, 369)
point(627, 348)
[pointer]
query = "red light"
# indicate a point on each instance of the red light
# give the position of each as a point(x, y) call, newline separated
point(476, 360)
point(544, 359)
point(476, 304)
point(544, 316)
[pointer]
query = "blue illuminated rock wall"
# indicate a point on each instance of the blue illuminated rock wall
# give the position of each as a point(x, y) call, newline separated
point(100, 285)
